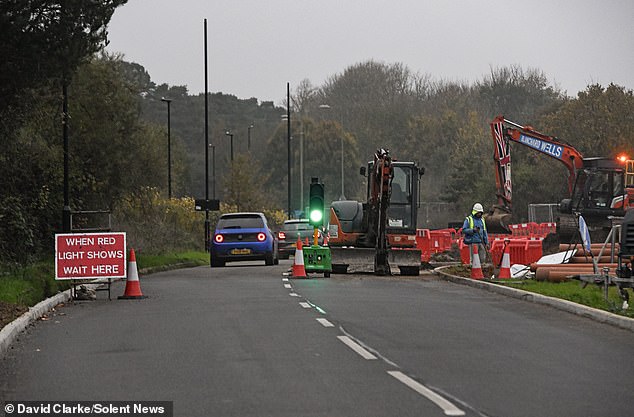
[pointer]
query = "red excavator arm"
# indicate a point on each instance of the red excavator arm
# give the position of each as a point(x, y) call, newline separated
point(380, 193)
point(504, 131)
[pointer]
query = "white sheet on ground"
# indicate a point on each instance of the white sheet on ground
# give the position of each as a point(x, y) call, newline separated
point(558, 258)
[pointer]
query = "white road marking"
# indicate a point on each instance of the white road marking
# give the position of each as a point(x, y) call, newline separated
point(305, 305)
point(356, 347)
point(287, 286)
point(285, 279)
point(325, 322)
point(448, 408)
point(293, 294)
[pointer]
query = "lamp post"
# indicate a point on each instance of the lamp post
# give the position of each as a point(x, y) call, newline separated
point(213, 172)
point(169, 149)
point(228, 133)
point(66, 213)
point(288, 142)
point(249, 137)
point(342, 196)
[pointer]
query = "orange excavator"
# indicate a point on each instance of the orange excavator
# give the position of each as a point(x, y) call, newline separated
point(371, 236)
point(598, 187)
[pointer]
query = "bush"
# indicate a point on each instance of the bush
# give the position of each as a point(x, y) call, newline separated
point(158, 225)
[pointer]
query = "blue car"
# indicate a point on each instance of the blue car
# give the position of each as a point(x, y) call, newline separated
point(243, 237)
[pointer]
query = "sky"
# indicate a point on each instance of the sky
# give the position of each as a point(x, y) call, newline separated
point(256, 46)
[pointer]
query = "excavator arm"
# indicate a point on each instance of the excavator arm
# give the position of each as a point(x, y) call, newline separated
point(505, 131)
point(380, 193)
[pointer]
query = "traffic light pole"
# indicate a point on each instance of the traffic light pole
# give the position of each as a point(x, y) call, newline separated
point(317, 258)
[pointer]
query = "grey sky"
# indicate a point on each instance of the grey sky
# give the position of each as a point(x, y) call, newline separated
point(256, 46)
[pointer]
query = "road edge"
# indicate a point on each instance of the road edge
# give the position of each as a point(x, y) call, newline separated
point(563, 305)
point(10, 332)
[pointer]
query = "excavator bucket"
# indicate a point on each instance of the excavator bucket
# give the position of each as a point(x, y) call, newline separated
point(362, 260)
point(498, 220)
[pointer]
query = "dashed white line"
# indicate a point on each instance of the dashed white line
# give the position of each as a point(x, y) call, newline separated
point(304, 304)
point(293, 294)
point(448, 408)
point(285, 279)
point(288, 286)
point(325, 322)
point(356, 347)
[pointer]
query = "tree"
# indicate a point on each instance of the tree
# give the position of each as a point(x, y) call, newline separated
point(599, 122)
point(244, 185)
point(517, 93)
point(44, 40)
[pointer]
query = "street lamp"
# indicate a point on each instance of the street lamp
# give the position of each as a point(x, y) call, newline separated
point(169, 149)
point(249, 137)
point(213, 172)
point(342, 196)
point(288, 143)
point(228, 133)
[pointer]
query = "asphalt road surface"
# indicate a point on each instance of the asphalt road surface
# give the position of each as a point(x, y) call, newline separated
point(245, 341)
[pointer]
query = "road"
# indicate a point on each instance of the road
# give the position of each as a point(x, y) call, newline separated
point(243, 341)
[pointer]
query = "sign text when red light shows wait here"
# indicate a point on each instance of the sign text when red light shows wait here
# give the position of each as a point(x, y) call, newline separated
point(90, 255)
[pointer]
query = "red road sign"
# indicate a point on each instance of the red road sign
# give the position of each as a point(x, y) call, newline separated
point(90, 255)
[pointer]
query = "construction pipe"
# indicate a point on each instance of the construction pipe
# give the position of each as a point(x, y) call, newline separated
point(588, 260)
point(560, 275)
point(535, 265)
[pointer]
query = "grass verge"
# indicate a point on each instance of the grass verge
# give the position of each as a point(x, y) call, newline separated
point(590, 295)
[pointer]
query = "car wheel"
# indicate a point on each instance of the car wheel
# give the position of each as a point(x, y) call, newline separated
point(268, 259)
point(215, 262)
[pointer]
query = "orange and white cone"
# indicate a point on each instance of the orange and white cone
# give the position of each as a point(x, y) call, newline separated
point(298, 264)
point(505, 269)
point(476, 268)
point(132, 285)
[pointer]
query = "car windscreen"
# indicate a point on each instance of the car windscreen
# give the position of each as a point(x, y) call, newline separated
point(240, 222)
point(293, 227)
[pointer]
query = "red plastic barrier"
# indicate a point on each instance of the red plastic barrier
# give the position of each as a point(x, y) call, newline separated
point(423, 242)
point(441, 240)
point(546, 228)
point(522, 251)
point(434, 241)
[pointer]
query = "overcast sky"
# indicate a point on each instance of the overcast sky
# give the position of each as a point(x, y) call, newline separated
point(256, 46)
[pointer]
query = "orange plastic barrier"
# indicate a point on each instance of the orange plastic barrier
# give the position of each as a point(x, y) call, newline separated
point(522, 251)
point(434, 241)
point(423, 242)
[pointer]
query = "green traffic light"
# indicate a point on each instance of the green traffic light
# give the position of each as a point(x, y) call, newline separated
point(316, 216)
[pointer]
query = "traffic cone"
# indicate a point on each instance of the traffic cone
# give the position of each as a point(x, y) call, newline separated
point(476, 268)
point(298, 264)
point(505, 269)
point(132, 285)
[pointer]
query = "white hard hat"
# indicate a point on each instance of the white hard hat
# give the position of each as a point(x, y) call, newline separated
point(477, 207)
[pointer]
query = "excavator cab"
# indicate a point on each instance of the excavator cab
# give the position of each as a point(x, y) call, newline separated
point(599, 189)
point(403, 200)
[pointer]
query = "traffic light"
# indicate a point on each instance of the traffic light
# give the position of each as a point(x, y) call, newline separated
point(316, 203)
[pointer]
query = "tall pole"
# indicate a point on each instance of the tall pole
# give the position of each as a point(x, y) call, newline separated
point(301, 166)
point(228, 133)
point(213, 163)
point(169, 149)
point(206, 147)
point(249, 137)
point(66, 210)
point(342, 197)
point(288, 142)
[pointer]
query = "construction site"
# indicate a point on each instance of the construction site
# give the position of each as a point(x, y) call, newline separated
point(587, 236)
